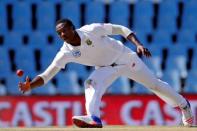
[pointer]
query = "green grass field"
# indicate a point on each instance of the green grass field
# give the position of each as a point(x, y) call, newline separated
point(107, 128)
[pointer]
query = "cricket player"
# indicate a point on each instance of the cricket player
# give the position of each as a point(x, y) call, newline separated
point(91, 45)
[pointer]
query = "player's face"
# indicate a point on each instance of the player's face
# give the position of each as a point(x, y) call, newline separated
point(65, 32)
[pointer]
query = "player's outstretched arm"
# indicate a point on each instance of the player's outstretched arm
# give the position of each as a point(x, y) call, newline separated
point(28, 85)
point(39, 80)
point(141, 50)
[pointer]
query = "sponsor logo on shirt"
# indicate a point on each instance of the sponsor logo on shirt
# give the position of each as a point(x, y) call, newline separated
point(88, 42)
point(76, 53)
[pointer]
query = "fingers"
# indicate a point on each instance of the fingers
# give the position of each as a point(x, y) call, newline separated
point(147, 53)
point(27, 79)
point(23, 86)
point(20, 85)
point(22, 90)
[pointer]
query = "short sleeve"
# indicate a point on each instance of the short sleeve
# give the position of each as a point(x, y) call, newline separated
point(108, 28)
point(102, 29)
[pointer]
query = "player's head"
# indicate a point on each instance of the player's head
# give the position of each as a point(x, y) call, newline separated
point(65, 29)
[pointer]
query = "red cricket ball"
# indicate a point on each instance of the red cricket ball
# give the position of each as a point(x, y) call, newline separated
point(19, 73)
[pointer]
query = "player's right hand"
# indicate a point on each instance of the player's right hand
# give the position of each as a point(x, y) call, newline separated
point(141, 50)
point(25, 86)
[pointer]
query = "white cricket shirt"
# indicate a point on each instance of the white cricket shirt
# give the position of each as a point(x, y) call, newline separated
point(96, 49)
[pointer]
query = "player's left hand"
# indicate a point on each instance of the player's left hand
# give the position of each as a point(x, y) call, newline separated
point(141, 50)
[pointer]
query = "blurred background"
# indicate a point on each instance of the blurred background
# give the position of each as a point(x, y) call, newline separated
point(28, 41)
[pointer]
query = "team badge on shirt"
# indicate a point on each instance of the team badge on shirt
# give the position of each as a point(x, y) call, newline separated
point(76, 53)
point(88, 42)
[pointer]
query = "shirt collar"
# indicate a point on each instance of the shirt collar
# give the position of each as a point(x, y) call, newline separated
point(81, 34)
point(82, 37)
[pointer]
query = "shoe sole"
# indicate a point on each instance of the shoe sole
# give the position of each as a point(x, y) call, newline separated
point(82, 124)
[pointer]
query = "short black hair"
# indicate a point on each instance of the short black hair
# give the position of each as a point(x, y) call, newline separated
point(66, 21)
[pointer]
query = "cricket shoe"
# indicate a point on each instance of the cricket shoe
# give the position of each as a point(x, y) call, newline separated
point(87, 121)
point(187, 117)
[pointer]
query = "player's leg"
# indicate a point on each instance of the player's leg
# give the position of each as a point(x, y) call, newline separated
point(139, 72)
point(95, 87)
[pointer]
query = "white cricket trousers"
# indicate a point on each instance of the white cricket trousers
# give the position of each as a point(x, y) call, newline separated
point(135, 69)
